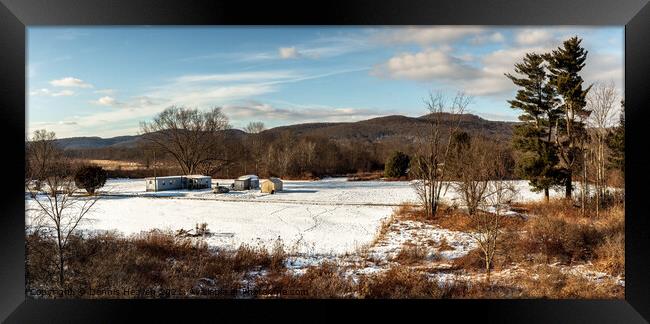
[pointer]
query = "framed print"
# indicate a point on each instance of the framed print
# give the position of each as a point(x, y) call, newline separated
point(228, 156)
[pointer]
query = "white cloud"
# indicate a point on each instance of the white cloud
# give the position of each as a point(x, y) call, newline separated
point(288, 52)
point(63, 93)
point(105, 91)
point(48, 92)
point(425, 65)
point(533, 37)
point(105, 101)
point(477, 75)
point(70, 82)
point(40, 92)
point(428, 35)
point(234, 77)
point(495, 37)
point(605, 68)
point(297, 113)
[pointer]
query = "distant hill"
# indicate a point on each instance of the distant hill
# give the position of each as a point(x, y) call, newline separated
point(394, 127)
point(98, 142)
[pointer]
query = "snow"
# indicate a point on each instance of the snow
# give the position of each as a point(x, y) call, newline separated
point(330, 216)
point(326, 191)
point(425, 236)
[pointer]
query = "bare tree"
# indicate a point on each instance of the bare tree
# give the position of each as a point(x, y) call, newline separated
point(192, 137)
point(41, 151)
point(601, 101)
point(282, 153)
point(429, 167)
point(254, 127)
point(255, 141)
point(470, 161)
point(486, 222)
point(57, 207)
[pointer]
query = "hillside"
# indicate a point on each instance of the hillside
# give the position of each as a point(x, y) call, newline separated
point(395, 128)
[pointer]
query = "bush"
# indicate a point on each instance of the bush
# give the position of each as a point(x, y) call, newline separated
point(561, 239)
point(153, 261)
point(90, 178)
point(400, 282)
point(551, 282)
point(411, 254)
point(397, 165)
point(326, 280)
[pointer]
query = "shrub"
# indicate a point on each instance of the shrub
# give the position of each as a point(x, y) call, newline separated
point(90, 178)
point(154, 261)
point(400, 282)
point(397, 165)
point(471, 261)
point(561, 239)
point(326, 280)
point(410, 254)
point(610, 255)
point(551, 282)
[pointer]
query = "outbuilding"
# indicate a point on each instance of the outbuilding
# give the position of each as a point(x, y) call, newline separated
point(197, 181)
point(246, 182)
point(271, 185)
point(193, 181)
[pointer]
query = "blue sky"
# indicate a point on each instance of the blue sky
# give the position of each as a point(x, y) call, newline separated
point(102, 81)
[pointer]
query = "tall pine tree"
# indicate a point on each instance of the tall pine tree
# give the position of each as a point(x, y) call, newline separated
point(537, 100)
point(565, 64)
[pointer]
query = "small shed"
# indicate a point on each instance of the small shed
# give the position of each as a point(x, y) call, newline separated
point(246, 182)
point(272, 185)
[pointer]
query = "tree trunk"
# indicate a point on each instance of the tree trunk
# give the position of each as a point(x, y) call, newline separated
point(583, 196)
point(60, 246)
point(567, 185)
point(546, 194)
point(487, 269)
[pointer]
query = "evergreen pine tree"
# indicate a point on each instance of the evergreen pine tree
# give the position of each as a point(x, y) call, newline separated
point(616, 143)
point(397, 165)
point(564, 65)
point(536, 98)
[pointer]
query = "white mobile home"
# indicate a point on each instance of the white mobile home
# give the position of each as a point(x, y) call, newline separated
point(193, 181)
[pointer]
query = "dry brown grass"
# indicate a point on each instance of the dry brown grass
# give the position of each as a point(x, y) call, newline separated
point(560, 233)
point(326, 280)
point(411, 254)
point(550, 282)
point(443, 245)
point(155, 262)
point(116, 164)
point(411, 212)
point(365, 176)
point(472, 261)
point(400, 282)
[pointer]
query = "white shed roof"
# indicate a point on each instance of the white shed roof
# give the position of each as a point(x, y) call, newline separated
point(248, 176)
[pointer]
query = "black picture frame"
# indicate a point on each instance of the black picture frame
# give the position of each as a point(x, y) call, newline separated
point(17, 15)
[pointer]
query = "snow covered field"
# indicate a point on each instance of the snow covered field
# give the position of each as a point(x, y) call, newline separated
point(315, 217)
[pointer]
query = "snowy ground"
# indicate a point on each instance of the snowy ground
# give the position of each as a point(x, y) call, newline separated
point(328, 220)
point(331, 216)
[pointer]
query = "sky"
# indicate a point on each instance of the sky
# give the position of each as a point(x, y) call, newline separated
point(103, 81)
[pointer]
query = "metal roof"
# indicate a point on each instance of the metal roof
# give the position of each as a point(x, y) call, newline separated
point(191, 176)
point(166, 177)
